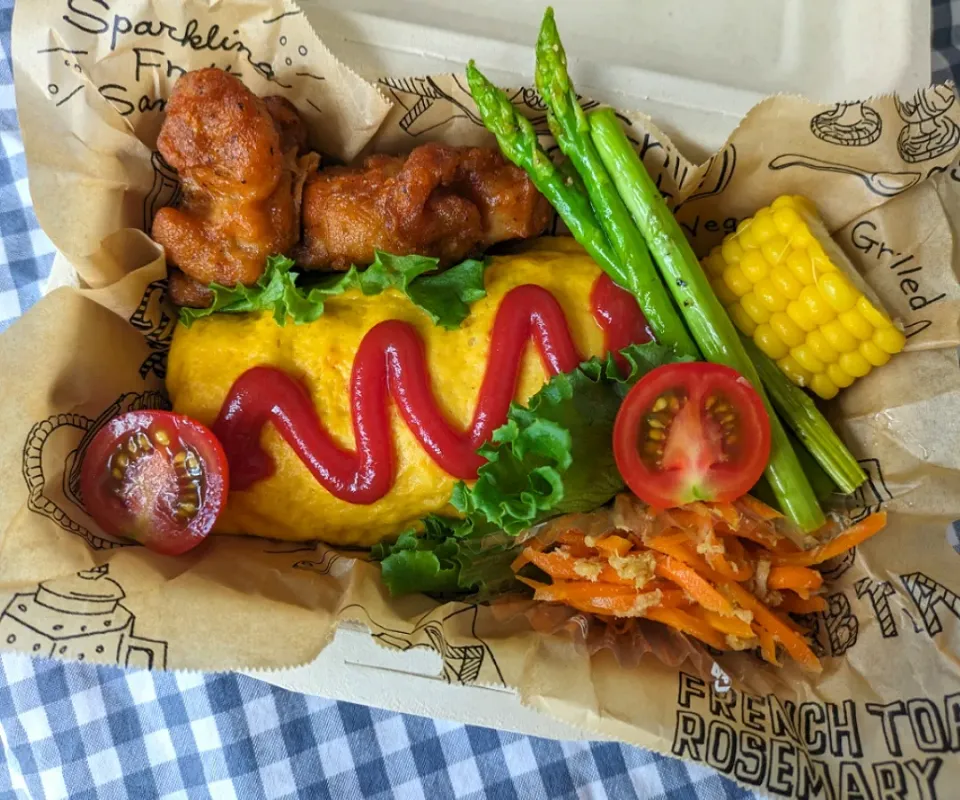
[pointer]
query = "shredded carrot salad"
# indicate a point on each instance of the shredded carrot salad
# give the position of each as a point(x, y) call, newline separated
point(725, 573)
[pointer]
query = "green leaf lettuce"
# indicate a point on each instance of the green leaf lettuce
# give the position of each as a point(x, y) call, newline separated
point(450, 556)
point(445, 297)
point(552, 457)
point(555, 456)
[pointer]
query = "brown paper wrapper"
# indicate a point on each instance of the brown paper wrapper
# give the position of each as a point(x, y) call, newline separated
point(884, 718)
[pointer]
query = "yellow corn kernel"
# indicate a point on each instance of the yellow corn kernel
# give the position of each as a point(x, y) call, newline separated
point(723, 293)
point(799, 314)
point(783, 201)
point(764, 228)
point(754, 265)
point(742, 319)
point(767, 294)
point(873, 354)
point(756, 310)
point(785, 328)
point(736, 281)
point(769, 342)
point(800, 237)
point(838, 290)
point(799, 263)
point(839, 337)
point(854, 364)
point(787, 220)
point(856, 324)
point(823, 386)
point(872, 314)
point(823, 265)
point(792, 369)
point(787, 286)
point(731, 250)
point(821, 348)
point(775, 249)
point(806, 358)
point(784, 281)
point(818, 308)
point(838, 376)
point(820, 260)
point(745, 235)
point(891, 340)
point(714, 263)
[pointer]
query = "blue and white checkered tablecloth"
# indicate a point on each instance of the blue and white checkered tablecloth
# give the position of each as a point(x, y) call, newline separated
point(84, 732)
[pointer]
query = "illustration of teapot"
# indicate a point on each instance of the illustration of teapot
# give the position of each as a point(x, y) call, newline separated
point(929, 133)
point(848, 125)
point(79, 617)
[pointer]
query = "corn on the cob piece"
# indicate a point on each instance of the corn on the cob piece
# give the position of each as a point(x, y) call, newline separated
point(787, 285)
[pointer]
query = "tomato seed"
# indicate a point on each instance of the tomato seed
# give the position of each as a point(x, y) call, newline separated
point(192, 464)
point(161, 438)
point(660, 404)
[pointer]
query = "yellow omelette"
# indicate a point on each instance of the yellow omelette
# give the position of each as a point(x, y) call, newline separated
point(208, 357)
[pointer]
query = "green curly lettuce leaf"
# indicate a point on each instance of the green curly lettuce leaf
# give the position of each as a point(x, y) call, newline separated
point(421, 563)
point(485, 566)
point(444, 297)
point(555, 456)
point(552, 457)
point(276, 290)
point(450, 556)
point(393, 272)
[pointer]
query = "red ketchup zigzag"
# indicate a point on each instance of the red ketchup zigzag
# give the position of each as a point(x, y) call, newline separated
point(389, 364)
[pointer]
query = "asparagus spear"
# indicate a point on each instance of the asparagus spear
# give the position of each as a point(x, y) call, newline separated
point(518, 141)
point(804, 418)
point(572, 132)
point(823, 486)
point(708, 321)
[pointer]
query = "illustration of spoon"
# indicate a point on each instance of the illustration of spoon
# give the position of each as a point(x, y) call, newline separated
point(885, 184)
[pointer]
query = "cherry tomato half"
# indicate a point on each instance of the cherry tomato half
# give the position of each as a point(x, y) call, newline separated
point(157, 478)
point(690, 432)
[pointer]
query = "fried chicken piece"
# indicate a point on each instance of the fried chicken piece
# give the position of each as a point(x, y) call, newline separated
point(293, 130)
point(440, 201)
point(241, 179)
point(186, 291)
point(510, 205)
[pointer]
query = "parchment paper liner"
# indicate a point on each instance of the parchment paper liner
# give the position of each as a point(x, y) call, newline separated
point(891, 634)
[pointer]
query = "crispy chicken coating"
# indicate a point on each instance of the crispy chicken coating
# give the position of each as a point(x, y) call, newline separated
point(441, 201)
point(186, 291)
point(241, 178)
